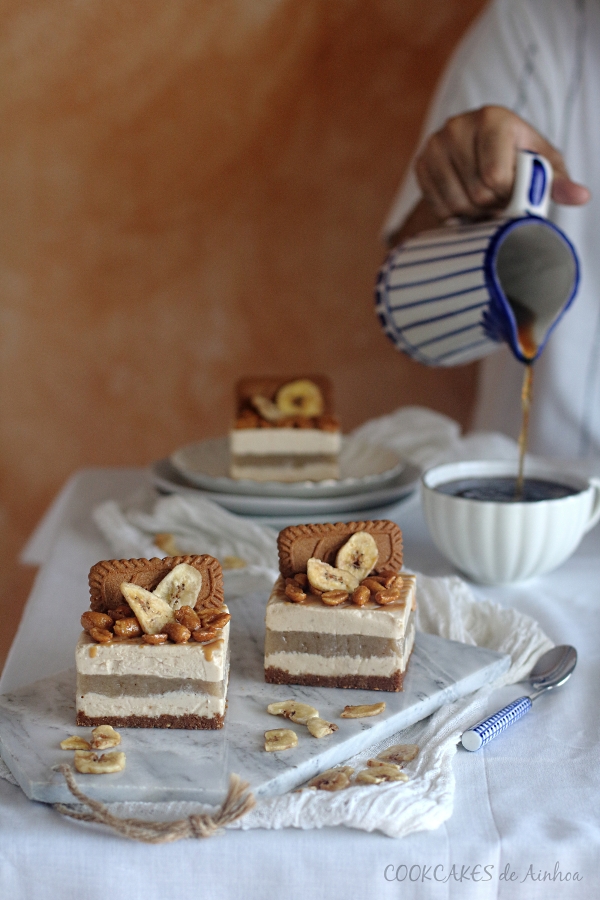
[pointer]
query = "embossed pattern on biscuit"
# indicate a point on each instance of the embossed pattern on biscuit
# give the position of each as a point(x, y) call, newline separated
point(105, 579)
point(298, 543)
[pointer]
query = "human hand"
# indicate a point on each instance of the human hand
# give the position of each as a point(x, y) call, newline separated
point(468, 167)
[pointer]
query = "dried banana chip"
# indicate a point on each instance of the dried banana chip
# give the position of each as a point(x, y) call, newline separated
point(89, 763)
point(324, 577)
point(293, 710)
point(400, 753)
point(320, 728)
point(358, 555)
point(75, 743)
point(362, 712)
point(280, 739)
point(332, 779)
point(104, 737)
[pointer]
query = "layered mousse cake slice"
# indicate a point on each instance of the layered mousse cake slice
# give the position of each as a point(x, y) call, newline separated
point(154, 650)
point(285, 430)
point(341, 614)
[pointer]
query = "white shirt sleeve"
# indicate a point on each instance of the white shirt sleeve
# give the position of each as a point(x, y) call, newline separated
point(519, 54)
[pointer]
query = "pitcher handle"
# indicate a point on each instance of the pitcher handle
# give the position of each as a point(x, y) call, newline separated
point(533, 183)
point(595, 512)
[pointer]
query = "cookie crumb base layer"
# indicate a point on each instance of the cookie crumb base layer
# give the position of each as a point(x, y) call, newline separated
point(188, 723)
point(353, 682)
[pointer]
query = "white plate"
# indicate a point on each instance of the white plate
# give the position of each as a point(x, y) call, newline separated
point(169, 480)
point(362, 467)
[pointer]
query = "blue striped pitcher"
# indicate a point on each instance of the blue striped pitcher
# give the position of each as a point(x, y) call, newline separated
point(456, 293)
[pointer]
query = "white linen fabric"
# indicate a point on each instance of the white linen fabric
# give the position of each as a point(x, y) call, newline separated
point(446, 606)
point(540, 58)
point(524, 805)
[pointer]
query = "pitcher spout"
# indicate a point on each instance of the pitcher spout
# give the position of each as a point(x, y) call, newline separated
point(532, 272)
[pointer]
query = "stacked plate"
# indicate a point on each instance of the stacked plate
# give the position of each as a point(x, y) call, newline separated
point(372, 479)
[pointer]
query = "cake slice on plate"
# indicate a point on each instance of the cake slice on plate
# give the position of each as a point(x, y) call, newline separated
point(341, 614)
point(285, 430)
point(154, 652)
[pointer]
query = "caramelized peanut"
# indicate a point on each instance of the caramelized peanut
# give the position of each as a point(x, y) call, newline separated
point(185, 615)
point(361, 595)
point(294, 592)
point(374, 586)
point(155, 639)
point(334, 598)
point(207, 615)
point(387, 595)
point(379, 578)
point(394, 582)
point(177, 633)
point(247, 419)
point(219, 621)
point(127, 628)
point(121, 612)
point(91, 620)
point(301, 578)
point(202, 635)
point(101, 635)
point(387, 573)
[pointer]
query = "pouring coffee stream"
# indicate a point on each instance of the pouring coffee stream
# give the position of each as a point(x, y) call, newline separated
point(525, 321)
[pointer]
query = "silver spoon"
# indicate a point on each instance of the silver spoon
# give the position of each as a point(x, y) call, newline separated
point(551, 670)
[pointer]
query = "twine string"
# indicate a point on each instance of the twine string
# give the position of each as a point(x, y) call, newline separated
point(237, 803)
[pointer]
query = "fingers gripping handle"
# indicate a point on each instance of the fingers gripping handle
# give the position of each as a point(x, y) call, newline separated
point(484, 731)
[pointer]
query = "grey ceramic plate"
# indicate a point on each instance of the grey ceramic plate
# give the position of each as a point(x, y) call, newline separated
point(168, 479)
point(363, 467)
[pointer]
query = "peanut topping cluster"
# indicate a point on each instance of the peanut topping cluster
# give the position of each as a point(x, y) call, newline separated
point(384, 588)
point(350, 579)
point(250, 418)
point(121, 624)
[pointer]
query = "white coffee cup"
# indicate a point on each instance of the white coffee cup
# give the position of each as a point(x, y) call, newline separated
point(502, 542)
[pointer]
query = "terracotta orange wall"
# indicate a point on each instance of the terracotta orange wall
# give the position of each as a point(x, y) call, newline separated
point(192, 191)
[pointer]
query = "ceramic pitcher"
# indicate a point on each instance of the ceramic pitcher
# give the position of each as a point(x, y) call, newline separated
point(455, 294)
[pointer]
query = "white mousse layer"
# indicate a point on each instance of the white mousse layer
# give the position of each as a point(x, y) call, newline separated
point(283, 441)
point(175, 703)
point(191, 660)
point(371, 620)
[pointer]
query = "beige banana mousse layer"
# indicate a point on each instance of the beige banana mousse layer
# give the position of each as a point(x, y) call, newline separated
point(341, 614)
point(285, 430)
point(154, 651)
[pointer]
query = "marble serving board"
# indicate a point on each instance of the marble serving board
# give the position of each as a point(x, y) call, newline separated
point(168, 765)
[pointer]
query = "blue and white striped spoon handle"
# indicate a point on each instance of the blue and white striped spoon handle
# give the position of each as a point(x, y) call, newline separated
point(484, 731)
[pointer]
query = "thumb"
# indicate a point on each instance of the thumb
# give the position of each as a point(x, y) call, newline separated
point(564, 191)
point(569, 193)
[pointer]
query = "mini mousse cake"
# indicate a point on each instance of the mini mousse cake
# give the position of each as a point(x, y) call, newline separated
point(154, 650)
point(340, 614)
point(285, 430)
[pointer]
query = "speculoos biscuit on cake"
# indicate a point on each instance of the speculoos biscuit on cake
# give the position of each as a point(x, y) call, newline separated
point(105, 579)
point(248, 387)
point(154, 655)
point(297, 543)
point(360, 634)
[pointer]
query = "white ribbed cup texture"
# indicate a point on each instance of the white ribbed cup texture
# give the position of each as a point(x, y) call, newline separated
point(501, 543)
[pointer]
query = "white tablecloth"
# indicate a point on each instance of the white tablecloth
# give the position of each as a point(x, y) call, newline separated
point(526, 806)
